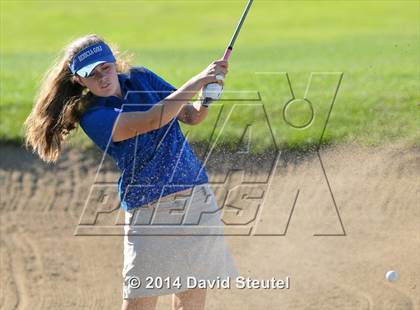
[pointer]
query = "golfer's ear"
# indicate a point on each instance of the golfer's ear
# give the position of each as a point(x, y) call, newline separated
point(77, 79)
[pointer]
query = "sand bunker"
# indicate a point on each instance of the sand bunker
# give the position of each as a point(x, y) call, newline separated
point(335, 237)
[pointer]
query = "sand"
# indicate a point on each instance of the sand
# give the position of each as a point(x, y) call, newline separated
point(335, 238)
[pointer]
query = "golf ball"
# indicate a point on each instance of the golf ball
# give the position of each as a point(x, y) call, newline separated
point(391, 276)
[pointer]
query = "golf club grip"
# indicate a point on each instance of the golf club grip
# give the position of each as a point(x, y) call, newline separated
point(227, 53)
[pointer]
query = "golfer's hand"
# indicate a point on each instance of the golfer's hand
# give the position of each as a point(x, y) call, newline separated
point(213, 73)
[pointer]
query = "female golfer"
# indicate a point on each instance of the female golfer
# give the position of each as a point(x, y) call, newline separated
point(132, 115)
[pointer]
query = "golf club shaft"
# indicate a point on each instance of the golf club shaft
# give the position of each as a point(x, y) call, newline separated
point(238, 28)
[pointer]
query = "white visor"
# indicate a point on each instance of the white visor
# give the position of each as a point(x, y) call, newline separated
point(86, 70)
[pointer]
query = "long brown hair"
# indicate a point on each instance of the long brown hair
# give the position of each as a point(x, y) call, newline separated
point(61, 101)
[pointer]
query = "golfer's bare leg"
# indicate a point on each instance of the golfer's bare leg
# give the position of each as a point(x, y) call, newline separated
point(144, 303)
point(192, 299)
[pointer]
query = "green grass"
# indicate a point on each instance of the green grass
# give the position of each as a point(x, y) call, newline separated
point(375, 44)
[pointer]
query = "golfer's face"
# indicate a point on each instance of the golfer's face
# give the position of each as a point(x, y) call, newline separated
point(103, 80)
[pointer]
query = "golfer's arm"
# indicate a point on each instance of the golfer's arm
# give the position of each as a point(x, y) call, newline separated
point(131, 124)
point(193, 113)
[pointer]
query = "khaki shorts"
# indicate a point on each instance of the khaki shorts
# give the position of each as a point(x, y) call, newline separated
point(171, 244)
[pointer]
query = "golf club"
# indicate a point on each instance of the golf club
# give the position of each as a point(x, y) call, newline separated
point(213, 91)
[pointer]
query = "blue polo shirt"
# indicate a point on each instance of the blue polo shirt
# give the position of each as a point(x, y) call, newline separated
point(152, 164)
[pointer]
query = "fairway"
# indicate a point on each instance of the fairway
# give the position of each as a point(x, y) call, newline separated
point(373, 46)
